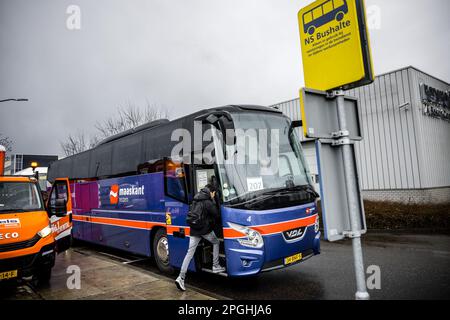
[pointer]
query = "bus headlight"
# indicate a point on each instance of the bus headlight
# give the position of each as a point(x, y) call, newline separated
point(45, 232)
point(317, 224)
point(253, 239)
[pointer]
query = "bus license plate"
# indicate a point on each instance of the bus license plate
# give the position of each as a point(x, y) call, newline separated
point(293, 259)
point(8, 275)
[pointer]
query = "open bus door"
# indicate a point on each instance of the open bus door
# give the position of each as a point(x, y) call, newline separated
point(181, 183)
point(202, 175)
point(59, 208)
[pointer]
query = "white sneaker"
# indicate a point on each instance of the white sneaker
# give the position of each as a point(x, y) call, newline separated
point(180, 283)
point(218, 269)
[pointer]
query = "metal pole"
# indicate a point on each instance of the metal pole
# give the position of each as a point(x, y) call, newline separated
point(351, 183)
point(21, 99)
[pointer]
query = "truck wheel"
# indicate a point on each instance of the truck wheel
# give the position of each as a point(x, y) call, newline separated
point(43, 275)
point(161, 251)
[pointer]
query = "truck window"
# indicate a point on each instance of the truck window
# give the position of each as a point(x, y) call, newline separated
point(59, 191)
point(19, 196)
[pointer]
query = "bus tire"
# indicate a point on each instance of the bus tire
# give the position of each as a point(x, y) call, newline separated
point(161, 251)
point(311, 30)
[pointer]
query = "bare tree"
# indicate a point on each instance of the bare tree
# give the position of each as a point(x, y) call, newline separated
point(128, 118)
point(124, 119)
point(154, 112)
point(74, 144)
point(6, 142)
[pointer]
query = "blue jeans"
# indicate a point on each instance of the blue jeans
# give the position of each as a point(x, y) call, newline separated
point(193, 243)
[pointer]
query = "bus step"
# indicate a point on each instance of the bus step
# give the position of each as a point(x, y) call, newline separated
point(223, 274)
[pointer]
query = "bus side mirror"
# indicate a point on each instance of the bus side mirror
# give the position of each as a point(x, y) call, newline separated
point(60, 208)
point(297, 124)
point(228, 131)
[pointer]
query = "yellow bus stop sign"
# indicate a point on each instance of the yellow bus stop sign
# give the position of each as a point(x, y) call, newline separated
point(335, 45)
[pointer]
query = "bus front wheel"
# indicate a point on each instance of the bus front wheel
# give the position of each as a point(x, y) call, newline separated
point(161, 251)
point(311, 30)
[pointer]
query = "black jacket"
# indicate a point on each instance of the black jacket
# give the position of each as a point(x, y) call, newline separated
point(209, 210)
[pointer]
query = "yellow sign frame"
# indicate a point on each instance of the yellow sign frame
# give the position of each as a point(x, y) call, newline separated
point(335, 45)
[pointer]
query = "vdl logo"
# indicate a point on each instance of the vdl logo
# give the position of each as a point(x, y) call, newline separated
point(324, 13)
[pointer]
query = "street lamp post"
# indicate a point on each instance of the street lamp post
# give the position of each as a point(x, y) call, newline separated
point(19, 99)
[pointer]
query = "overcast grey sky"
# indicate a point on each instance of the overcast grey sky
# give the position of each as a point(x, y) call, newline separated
point(182, 54)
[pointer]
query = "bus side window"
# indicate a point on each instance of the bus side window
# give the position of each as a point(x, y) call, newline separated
point(338, 3)
point(307, 17)
point(317, 13)
point(327, 7)
point(175, 180)
point(151, 167)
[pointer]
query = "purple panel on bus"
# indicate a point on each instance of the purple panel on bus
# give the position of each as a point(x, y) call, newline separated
point(139, 193)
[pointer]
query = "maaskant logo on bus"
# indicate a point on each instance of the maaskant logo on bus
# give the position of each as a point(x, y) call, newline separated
point(116, 192)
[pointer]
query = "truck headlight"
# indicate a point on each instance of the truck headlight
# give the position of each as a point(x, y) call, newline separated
point(253, 239)
point(45, 232)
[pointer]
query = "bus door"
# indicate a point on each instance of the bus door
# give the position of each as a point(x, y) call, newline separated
point(85, 199)
point(176, 208)
point(203, 175)
point(59, 208)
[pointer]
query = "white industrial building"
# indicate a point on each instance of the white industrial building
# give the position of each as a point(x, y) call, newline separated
point(405, 153)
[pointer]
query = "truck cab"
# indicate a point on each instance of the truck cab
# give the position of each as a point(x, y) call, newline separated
point(31, 232)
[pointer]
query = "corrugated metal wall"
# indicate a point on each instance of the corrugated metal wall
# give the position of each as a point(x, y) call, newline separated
point(402, 148)
point(434, 135)
point(388, 156)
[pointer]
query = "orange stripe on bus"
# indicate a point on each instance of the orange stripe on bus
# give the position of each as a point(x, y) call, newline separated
point(272, 228)
point(227, 232)
point(172, 229)
point(119, 222)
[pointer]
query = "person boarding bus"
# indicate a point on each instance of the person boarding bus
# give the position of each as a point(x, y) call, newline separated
point(202, 219)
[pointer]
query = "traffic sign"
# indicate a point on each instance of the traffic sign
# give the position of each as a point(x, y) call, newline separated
point(320, 115)
point(335, 45)
point(333, 191)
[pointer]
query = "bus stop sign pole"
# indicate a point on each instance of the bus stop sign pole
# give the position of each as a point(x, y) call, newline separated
point(351, 183)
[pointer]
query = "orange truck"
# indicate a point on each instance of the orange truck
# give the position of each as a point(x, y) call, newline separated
point(31, 232)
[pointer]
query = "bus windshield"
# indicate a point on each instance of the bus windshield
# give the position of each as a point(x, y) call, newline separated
point(265, 158)
point(19, 197)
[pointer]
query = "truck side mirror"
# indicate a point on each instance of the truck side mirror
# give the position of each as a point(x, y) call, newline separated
point(60, 208)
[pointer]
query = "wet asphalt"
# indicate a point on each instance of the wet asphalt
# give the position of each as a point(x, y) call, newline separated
point(413, 266)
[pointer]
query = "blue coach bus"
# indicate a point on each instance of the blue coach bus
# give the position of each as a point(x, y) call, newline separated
point(132, 194)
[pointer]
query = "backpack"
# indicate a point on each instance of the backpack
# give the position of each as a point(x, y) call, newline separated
point(196, 217)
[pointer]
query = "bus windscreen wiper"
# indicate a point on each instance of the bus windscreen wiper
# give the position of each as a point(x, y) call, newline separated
point(251, 200)
point(285, 190)
point(275, 193)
